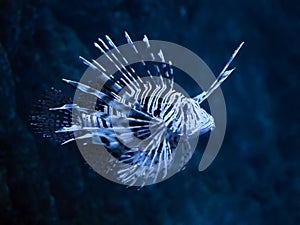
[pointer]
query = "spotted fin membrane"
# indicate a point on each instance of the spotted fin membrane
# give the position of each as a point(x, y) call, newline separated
point(139, 121)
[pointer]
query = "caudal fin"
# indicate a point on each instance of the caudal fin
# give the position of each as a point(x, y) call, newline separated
point(46, 122)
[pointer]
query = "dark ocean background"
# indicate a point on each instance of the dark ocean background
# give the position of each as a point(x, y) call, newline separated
point(255, 177)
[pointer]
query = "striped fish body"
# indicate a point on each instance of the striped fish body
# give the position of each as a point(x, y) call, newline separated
point(140, 120)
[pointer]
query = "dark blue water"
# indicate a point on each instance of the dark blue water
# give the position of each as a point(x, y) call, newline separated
point(255, 177)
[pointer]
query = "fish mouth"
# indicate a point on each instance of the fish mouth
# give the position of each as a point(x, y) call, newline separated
point(210, 126)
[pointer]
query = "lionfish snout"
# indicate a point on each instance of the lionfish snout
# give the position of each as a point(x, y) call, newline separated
point(195, 120)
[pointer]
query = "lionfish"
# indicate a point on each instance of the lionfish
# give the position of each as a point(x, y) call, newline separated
point(139, 118)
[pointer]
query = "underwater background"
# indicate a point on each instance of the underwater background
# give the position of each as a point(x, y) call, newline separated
point(255, 177)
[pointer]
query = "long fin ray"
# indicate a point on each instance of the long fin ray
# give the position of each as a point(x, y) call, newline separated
point(220, 79)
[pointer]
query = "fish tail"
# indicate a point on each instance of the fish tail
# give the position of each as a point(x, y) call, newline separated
point(49, 115)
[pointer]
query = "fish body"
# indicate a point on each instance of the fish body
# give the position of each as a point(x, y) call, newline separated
point(141, 120)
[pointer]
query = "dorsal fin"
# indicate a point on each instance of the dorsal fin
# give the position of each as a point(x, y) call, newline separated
point(220, 79)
